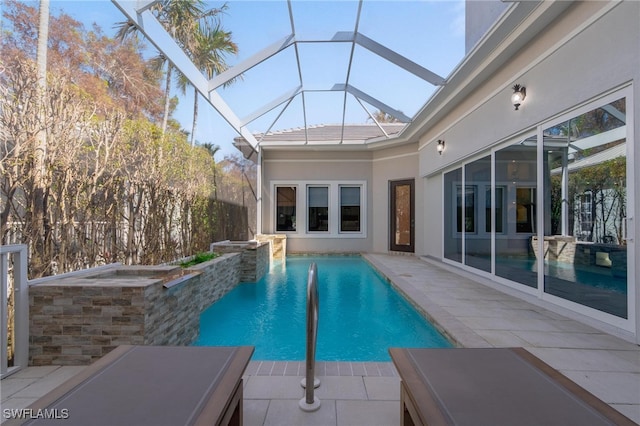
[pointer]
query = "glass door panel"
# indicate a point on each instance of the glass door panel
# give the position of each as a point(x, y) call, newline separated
point(585, 166)
point(477, 238)
point(401, 217)
point(453, 215)
point(515, 217)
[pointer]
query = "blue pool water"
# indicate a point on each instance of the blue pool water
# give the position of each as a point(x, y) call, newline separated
point(360, 317)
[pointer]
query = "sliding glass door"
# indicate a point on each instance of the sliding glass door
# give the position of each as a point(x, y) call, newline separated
point(585, 197)
point(548, 212)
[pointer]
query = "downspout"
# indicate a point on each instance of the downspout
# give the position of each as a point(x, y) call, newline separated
point(259, 192)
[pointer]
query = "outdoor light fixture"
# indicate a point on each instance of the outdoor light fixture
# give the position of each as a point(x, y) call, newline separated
point(440, 146)
point(519, 93)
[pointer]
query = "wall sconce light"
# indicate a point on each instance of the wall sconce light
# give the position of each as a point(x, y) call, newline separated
point(519, 93)
point(440, 146)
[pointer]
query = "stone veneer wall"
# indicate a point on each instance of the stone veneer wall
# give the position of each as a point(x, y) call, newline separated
point(74, 321)
point(277, 243)
point(255, 257)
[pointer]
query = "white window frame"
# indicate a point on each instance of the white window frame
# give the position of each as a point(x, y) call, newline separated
point(362, 210)
point(274, 197)
point(334, 208)
point(329, 217)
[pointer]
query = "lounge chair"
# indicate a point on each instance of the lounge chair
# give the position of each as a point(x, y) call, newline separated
point(492, 386)
point(150, 385)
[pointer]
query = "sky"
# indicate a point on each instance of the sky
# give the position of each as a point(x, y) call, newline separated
point(430, 33)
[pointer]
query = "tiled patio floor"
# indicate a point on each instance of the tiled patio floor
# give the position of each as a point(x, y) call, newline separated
point(474, 315)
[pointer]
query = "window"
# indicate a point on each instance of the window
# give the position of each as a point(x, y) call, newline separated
point(286, 208)
point(525, 210)
point(324, 209)
point(318, 202)
point(349, 209)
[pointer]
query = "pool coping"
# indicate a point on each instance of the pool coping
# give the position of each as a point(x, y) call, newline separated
point(322, 368)
point(458, 333)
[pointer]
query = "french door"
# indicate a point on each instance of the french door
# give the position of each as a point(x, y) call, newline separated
point(401, 215)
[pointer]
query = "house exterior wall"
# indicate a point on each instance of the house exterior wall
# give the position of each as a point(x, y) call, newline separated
point(302, 168)
point(375, 169)
point(548, 68)
point(396, 163)
point(591, 50)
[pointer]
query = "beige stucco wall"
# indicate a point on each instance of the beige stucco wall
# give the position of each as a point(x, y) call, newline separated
point(319, 167)
point(573, 61)
point(376, 168)
point(393, 164)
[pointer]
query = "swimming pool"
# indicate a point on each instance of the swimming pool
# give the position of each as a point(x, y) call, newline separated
point(361, 315)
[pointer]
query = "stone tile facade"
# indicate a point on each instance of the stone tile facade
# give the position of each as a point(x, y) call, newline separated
point(277, 243)
point(255, 257)
point(77, 319)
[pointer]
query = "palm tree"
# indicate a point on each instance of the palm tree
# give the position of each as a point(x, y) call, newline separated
point(212, 149)
point(182, 19)
point(211, 46)
point(40, 149)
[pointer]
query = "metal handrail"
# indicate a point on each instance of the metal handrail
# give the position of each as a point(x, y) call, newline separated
point(309, 402)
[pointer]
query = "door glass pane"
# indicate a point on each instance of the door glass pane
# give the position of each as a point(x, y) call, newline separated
point(286, 208)
point(453, 215)
point(515, 174)
point(477, 239)
point(402, 196)
point(585, 196)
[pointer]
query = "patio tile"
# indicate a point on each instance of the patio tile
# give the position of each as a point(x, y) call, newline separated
point(273, 387)
point(35, 372)
point(368, 413)
point(12, 385)
point(502, 338)
point(382, 388)
point(587, 360)
point(630, 410)
point(358, 369)
point(254, 411)
point(265, 368)
point(612, 388)
point(49, 382)
point(294, 368)
point(387, 369)
point(506, 323)
point(573, 340)
point(252, 368)
point(344, 369)
point(278, 368)
point(286, 412)
point(341, 387)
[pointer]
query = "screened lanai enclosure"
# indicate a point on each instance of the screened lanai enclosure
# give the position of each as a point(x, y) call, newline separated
point(317, 63)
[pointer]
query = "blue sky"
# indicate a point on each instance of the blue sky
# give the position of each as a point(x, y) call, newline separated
point(430, 33)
